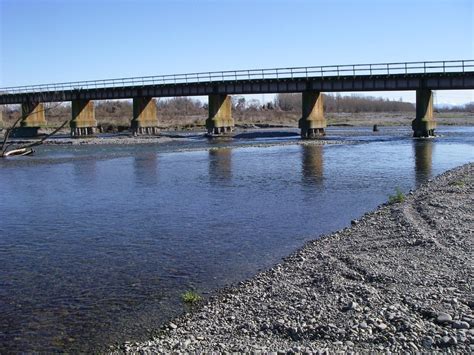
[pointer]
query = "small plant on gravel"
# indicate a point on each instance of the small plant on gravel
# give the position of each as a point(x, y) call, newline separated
point(398, 197)
point(191, 297)
point(458, 183)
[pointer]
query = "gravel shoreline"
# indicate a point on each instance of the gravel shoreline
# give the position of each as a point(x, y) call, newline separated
point(400, 279)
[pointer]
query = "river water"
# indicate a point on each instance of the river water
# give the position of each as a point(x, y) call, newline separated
point(97, 243)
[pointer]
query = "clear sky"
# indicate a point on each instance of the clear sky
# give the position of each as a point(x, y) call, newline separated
point(44, 41)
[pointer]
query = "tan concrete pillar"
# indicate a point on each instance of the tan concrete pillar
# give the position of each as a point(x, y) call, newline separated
point(220, 114)
point(83, 121)
point(312, 123)
point(33, 115)
point(144, 116)
point(424, 124)
point(33, 118)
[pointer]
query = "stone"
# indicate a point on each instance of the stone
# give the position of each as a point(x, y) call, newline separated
point(351, 306)
point(443, 318)
point(460, 325)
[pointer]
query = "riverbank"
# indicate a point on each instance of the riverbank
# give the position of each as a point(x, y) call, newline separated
point(400, 279)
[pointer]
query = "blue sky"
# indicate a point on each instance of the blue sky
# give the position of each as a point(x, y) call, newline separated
point(44, 41)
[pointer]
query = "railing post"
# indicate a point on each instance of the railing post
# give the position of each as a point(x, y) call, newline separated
point(370, 69)
point(388, 69)
point(248, 73)
point(291, 72)
point(444, 69)
point(353, 70)
point(276, 72)
point(263, 74)
point(337, 70)
point(462, 63)
point(424, 67)
point(306, 70)
point(210, 77)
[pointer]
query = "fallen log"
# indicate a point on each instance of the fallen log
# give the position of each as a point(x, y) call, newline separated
point(19, 152)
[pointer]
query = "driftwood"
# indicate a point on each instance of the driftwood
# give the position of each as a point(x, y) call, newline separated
point(21, 151)
point(26, 149)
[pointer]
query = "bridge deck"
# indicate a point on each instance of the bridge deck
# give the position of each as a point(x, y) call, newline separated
point(443, 75)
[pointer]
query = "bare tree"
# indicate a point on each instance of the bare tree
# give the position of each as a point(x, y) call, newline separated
point(5, 150)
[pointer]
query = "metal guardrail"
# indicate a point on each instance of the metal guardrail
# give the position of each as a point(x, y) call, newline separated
point(276, 73)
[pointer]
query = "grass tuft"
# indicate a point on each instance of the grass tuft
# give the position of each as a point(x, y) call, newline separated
point(398, 197)
point(458, 183)
point(191, 297)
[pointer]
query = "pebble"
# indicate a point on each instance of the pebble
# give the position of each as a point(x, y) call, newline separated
point(443, 318)
point(460, 325)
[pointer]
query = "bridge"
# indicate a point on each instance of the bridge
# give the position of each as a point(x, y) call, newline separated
point(422, 77)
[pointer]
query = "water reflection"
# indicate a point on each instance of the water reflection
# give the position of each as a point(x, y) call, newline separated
point(146, 169)
point(423, 152)
point(85, 171)
point(312, 164)
point(220, 165)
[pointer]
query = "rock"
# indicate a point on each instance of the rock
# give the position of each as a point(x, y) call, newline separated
point(352, 305)
point(457, 324)
point(443, 318)
point(427, 342)
point(363, 325)
point(172, 325)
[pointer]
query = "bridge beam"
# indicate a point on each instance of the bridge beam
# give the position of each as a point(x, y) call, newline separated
point(83, 121)
point(312, 123)
point(144, 116)
point(424, 124)
point(220, 114)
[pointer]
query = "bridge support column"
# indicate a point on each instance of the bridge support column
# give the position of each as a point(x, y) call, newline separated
point(312, 123)
point(220, 119)
point(83, 121)
point(144, 116)
point(424, 124)
point(33, 119)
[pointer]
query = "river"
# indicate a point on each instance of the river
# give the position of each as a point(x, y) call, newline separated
point(98, 242)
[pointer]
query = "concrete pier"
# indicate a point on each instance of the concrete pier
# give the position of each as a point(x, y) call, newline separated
point(312, 123)
point(144, 120)
point(424, 124)
point(83, 121)
point(33, 119)
point(220, 119)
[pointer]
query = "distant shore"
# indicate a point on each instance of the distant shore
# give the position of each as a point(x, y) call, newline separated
point(400, 280)
point(271, 119)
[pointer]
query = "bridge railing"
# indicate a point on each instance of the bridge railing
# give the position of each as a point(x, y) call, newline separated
point(252, 74)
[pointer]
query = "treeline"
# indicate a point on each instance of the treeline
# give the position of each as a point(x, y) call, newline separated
point(458, 108)
point(339, 103)
point(185, 111)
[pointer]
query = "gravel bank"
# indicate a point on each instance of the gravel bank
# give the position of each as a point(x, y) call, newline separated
point(400, 279)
